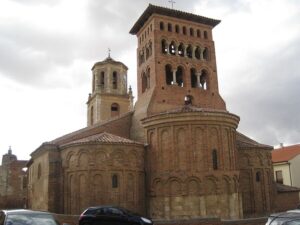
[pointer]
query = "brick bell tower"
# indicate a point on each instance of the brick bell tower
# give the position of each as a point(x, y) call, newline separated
point(109, 97)
point(176, 62)
point(191, 138)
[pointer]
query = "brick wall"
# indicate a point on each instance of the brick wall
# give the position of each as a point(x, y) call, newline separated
point(286, 200)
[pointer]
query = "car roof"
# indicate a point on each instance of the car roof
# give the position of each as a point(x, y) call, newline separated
point(288, 214)
point(23, 211)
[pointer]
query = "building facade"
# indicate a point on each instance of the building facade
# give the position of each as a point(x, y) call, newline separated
point(13, 182)
point(176, 154)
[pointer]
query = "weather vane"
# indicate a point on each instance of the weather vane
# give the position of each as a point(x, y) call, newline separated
point(172, 3)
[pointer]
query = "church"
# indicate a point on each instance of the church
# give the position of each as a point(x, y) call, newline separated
point(174, 154)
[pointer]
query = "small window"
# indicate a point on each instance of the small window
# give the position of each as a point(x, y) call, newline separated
point(279, 177)
point(92, 115)
point(257, 176)
point(115, 110)
point(177, 28)
point(169, 27)
point(205, 35)
point(184, 30)
point(215, 159)
point(161, 26)
point(115, 80)
point(192, 32)
point(114, 181)
point(198, 33)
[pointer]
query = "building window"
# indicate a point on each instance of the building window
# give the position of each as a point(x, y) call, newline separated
point(172, 48)
point(179, 76)
point(189, 51)
point(197, 53)
point(114, 181)
point(193, 78)
point(192, 32)
point(279, 177)
point(161, 25)
point(177, 28)
point(164, 47)
point(181, 50)
point(257, 176)
point(39, 173)
point(115, 110)
point(169, 27)
point(215, 159)
point(203, 80)
point(205, 54)
point(144, 82)
point(115, 80)
point(92, 115)
point(169, 74)
point(184, 30)
point(102, 79)
point(205, 35)
point(198, 33)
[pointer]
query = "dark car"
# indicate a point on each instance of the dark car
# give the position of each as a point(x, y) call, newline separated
point(26, 217)
point(110, 215)
point(291, 217)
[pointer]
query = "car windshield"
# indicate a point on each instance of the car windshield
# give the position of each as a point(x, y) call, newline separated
point(30, 219)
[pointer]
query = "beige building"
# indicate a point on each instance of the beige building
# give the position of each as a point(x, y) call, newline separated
point(176, 154)
point(286, 164)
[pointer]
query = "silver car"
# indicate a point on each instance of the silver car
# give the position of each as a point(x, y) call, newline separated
point(28, 217)
point(291, 217)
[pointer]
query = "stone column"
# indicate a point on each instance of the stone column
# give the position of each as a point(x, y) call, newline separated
point(198, 74)
point(174, 77)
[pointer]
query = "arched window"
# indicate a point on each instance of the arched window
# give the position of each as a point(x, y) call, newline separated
point(115, 110)
point(39, 173)
point(198, 33)
point(257, 176)
point(144, 82)
point(102, 79)
point(193, 78)
point(161, 26)
point(92, 115)
point(179, 76)
point(169, 27)
point(197, 53)
point(184, 30)
point(205, 35)
point(150, 47)
point(147, 53)
point(191, 31)
point(169, 74)
point(172, 48)
point(164, 47)
point(177, 28)
point(142, 57)
point(189, 51)
point(115, 80)
point(203, 79)
point(181, 50)
point(114, 181)
point(215, 159)
point(148, 78)
point(205, 54)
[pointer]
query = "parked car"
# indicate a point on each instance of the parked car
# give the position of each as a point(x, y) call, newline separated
point(291, 217)
point(110, 215)
point(26, 217)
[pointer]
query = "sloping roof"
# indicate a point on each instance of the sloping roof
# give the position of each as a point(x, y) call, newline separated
point(285, 154)
point(286, 188)
point(103, 137)
point(109, 60)
point(153, 9)
point(245, 142)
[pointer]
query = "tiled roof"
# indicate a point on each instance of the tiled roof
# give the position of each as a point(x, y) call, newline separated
point(245, 142)
point(109, 60)
point(153, 9)
point(103, 137)
point(285, 154)
point(286, 188)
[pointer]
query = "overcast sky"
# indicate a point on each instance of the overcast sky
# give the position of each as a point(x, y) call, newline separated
point(47, 49)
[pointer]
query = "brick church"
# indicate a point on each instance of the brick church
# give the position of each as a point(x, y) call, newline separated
point(175, 154)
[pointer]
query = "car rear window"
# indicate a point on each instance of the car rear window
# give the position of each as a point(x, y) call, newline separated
point(33, 219)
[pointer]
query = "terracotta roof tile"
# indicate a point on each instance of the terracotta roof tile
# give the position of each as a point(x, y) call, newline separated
point(286, 188)
point(103, 137)
point(245, 142)
point(285, 154)
point(153, 9)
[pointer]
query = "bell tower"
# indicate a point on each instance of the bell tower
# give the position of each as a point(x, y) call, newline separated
point(109, 97)
point(176, 60)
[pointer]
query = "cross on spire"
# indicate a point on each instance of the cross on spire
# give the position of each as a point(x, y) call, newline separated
point(172, 3)
point(109, 52)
